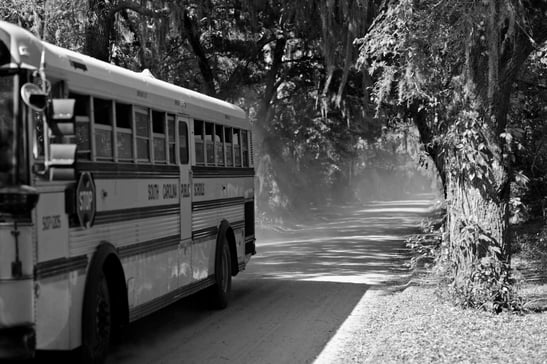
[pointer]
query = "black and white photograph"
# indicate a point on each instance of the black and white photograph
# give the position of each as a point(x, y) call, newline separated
point(273, 181)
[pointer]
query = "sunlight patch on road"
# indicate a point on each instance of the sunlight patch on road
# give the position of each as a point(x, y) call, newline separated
point(397, 209)
point(369, 278)
point(348, 264)
point(322, 239)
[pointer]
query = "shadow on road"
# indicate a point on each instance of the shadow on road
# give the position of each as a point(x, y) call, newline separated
point(271, 321)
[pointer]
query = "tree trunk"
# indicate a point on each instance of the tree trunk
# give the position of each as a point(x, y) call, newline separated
point(478, 244)
point(476, 223)
point(193, 36)
point(478, 253)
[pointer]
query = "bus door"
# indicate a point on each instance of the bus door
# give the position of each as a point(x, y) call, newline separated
point(185, 253)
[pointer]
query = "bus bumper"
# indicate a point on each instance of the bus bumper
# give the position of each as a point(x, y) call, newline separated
point(18, 342)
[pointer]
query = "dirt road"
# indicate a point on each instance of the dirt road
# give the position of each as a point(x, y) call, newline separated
point(293, 297)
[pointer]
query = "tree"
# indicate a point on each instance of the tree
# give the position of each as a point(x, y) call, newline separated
point(450, 67)
point(290, 64)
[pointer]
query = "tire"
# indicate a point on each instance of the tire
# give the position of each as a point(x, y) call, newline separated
point(219, 293)
point(97, 322)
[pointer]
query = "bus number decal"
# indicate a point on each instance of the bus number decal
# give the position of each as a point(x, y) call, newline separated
point(199, 189)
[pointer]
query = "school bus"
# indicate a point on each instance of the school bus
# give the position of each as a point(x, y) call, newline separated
point(119, 194)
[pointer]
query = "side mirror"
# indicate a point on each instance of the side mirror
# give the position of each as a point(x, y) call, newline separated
point(34, 97)
point(61, 116)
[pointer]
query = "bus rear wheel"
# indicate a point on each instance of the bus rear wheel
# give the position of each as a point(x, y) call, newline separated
point(97, 322)
point(220, 291)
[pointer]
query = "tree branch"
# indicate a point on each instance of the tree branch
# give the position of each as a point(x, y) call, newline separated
point(199, 52)
point(138, 8)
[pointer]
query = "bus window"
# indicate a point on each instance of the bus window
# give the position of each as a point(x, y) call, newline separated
point(237, 148)
point(142, 126)
point(81, 127)
point(124, 131)
point(183, 142)
point(198, 140)
point(102, 112)
point(219, 145)
point(228, 146)
point(158, 128)
point(171, 139)
point(244, 148)
point(209, 145)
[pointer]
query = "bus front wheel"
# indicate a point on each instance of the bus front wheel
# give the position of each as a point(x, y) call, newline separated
point(220, 291)
point(97, 321)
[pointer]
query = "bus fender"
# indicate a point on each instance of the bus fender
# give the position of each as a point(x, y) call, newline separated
point(106, 259)
point(227, 231)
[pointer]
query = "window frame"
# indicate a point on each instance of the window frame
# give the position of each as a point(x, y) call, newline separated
point(186, 160)
point(160, 136)
point(82, 120)
point(143, 111)
point(174, 143)
point(108, 128)
point(126, 131)
point(201, 140)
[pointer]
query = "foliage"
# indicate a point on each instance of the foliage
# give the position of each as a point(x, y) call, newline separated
point(481, 283)
point(425, 247)
point(449, 67)
point(528, 116)
point(530, 242)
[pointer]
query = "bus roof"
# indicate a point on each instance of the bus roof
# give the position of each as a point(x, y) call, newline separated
point(87, 74)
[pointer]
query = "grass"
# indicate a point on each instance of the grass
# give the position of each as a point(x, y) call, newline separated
point(414, 326)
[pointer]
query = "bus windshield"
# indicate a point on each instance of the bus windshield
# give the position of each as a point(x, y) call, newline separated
point(7, 124)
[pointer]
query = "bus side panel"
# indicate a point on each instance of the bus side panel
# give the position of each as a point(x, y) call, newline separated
point(150, 275)
point(204, 232)
point(220, 189)
point(52, 226)
point(235, 216)
point(141, 218)
point(60, 277)
point(217, 200)
point(53, 289)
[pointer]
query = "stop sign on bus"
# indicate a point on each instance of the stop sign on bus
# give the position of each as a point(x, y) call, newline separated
point(85, 200)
